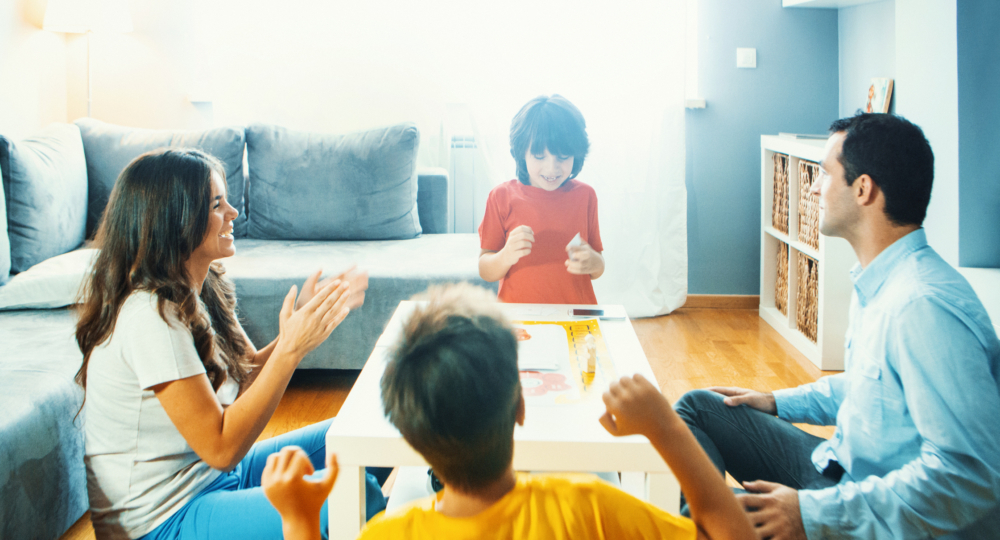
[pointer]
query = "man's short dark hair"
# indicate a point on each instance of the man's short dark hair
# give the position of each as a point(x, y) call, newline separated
point(895, 154)
point(452, 389)
point(551, 123)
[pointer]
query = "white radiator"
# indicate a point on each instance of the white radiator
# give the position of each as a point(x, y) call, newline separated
point(469, 185)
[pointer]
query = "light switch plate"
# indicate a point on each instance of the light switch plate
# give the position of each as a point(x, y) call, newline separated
point(746, 58)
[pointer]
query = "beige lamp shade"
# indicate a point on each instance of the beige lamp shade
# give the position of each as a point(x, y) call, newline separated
point(78, 16)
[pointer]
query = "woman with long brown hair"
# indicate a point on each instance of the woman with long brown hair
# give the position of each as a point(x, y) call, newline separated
point(175, 392)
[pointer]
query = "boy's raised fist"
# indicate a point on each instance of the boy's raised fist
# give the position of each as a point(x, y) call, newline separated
point(295, 497)
point(518, 244)
point(634, 406)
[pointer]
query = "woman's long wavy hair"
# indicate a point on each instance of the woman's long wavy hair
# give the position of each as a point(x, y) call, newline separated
point(156, 217)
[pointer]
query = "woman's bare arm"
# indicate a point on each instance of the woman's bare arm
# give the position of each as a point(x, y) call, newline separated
point(258, 357)
point(222, 436)
point(635, 405)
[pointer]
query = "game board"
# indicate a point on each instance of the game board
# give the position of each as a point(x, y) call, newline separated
point(566, 382)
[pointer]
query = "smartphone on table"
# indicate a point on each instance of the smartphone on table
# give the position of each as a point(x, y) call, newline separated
point(611, 313)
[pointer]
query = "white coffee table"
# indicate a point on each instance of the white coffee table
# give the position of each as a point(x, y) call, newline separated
point(553, 438)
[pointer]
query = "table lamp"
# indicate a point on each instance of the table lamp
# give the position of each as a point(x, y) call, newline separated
point(86, 17)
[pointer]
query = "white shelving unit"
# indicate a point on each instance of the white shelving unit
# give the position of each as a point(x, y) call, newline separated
point(835, 258)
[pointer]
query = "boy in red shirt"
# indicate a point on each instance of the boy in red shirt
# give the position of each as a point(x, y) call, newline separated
point(530, 222)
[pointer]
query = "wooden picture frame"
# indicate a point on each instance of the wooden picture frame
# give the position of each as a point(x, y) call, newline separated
point(879, 96)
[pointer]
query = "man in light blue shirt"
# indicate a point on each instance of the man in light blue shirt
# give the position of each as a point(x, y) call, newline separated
point(916, 450)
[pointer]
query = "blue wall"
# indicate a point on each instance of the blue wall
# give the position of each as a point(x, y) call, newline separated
point(978, 133)
point(867, 50)
point(795, 88)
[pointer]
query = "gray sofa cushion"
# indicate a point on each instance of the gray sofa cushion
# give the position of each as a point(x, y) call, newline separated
point(263, 271)
point(110, 148)
point(4, 241)
point(45, 187)
point(311, 186)
point(43, 484)
point(432, 200)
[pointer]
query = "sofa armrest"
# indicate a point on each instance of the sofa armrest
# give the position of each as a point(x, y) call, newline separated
point(433, 188)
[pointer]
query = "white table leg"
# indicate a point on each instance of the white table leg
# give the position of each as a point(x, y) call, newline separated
point(664, 491)
point(346, 505)
point(634, 483)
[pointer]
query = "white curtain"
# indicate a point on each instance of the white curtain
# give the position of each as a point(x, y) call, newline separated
point(461, 66)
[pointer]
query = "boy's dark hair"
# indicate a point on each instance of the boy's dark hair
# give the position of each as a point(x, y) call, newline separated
point(895, 154)
point(452, 389)
point(551, 123)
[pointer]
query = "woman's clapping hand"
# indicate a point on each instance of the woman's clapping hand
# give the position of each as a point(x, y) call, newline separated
point(302, 330)
point(358, 279)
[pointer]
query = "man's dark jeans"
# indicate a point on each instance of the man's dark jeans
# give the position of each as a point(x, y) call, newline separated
point(752, 445)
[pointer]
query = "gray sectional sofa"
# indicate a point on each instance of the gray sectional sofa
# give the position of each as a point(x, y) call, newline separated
point(307, 201)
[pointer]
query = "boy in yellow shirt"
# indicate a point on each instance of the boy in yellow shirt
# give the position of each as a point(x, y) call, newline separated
point(452, 389)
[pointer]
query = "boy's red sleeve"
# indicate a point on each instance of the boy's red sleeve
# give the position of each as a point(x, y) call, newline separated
point(492, 236)
point(594, 233)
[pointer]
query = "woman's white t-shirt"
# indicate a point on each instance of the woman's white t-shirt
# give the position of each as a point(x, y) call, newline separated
point(140, 470)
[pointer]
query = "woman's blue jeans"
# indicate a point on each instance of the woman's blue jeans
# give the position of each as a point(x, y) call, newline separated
point(234, 505)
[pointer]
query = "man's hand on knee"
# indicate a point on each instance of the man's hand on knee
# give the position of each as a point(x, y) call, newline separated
point(773, 510)
point(751, 398)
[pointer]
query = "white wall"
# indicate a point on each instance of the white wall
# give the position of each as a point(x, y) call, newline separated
point(32, 70)
point(303, 64)
point(143, 78)
point(329, 66)
point(335, 67)
point(867, 41)
point(915, 43)
point(926, 93)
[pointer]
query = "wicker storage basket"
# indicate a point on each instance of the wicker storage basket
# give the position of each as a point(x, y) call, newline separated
point(779, 210)
point(781, 280)
point(808, 205)
point(807, 296)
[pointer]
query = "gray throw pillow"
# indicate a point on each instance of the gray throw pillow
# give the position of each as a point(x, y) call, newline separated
point(45, 187)
point(110, 148)
point(312, 186)
point(4, 240)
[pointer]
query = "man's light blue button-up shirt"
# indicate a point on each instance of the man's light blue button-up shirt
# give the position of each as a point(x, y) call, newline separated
point(917, 408)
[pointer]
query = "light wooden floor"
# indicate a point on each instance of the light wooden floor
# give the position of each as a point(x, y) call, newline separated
point(688, 349)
